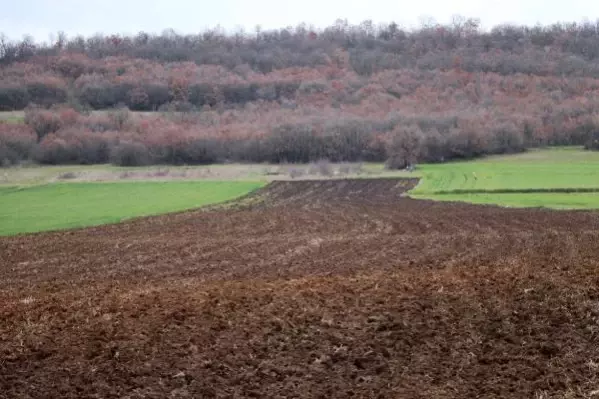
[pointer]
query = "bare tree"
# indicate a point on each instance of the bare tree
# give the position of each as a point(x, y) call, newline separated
point(405, 147)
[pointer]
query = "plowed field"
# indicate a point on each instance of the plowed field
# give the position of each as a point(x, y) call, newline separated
point(332, 289)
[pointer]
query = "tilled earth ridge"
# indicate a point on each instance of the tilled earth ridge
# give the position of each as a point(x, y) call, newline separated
point(324, 289)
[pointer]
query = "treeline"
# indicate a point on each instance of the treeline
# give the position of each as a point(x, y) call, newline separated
point(141, 96)
point(346, 93)
point(64, 136)
point(371, 47)
point(149, 72)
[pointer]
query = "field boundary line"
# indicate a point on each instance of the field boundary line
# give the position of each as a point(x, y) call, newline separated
point(512, 191)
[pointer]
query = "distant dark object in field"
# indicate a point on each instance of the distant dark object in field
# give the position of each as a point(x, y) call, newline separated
point(67, 176)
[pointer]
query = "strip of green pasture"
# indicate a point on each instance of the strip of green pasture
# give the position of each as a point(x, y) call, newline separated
point(69, 205)
point(560, 178)
point(559, 168)
point(525, 200)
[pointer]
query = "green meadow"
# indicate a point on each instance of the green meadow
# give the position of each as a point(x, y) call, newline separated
point(561, 178)
point(69, 205)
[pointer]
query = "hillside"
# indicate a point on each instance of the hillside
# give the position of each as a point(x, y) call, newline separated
point(346, 93)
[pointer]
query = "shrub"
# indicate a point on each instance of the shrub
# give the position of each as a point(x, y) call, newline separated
point(43, 122)
point(433, 147)
point(94, 148)
point(67, 115)
point(318, 86)
point(46, 94)
point(16, 143)
point(294, 144)
point(104, 122)
point(190, 151)
point(405, 147)
point(54, 150)
point(507, 139)
point(145, 97)
point(130, 154)
point(199, 152)
point(138, 100)
point(71, 68)
point(158, 95)
point(348, 140)
point(98, 96)
point(67, 176)
point(592, 142)
point(13, 98)
point(120, 118)
point(286, 89)
point(204, 94)
point(267, 92)
point(465, 144)
point(396, 162)
point(7, 156)
point(74, 146)
point(240, 94)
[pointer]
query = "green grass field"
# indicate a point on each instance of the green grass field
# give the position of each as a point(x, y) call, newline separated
point(528, 200)
point(69, 205)
point(490, 180)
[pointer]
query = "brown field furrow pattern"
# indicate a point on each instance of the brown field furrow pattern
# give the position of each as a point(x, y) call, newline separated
point(322, 289)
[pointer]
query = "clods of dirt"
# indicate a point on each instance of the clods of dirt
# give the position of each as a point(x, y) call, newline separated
point(330, 289)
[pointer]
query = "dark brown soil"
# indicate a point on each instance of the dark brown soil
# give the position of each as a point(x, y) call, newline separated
point(332, 289)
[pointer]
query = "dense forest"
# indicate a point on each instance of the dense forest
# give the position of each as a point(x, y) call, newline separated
point(344, 93)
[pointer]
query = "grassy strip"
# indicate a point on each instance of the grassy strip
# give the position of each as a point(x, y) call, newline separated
point(520, 191)
point(537, 170)
point(524, 200)
point(560, 178)
point(62, 205)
